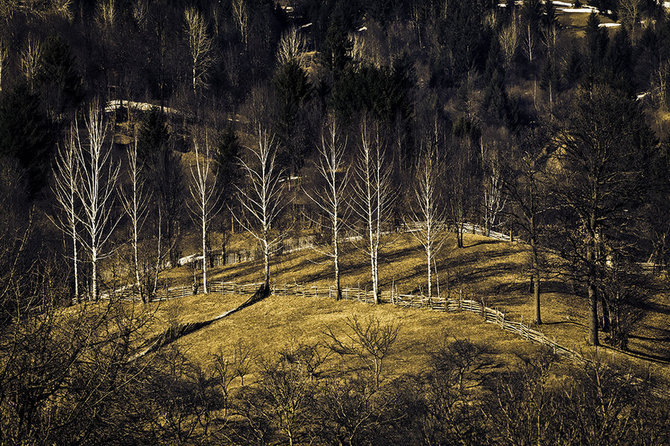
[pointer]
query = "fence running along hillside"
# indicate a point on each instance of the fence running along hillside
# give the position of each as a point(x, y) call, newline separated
point(490, 315)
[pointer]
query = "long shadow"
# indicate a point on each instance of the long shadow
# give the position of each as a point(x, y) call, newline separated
point(174, 333)
point(648, 338)
point(483, 242)
point(646, 356)
point(651, 306)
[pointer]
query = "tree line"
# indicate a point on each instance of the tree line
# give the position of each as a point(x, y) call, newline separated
point(493, 115)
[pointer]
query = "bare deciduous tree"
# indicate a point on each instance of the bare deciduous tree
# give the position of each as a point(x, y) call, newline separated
point(31, 58)
point(523, 185)
point(200, 48)
point(263, 198)
point(374, 196)
point(135, 203)
point(530, 50)
point(96, 185)
point(428, 215)
point(241, 15)
point(292, 46)
point(205, 202)
point(330, 199)
point(65, 191)
point(106, 14)
point(493, 200)
point(370, 340)
point(509, 39)
point(629, 13)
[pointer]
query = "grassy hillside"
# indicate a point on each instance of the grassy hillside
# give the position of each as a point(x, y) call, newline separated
point(486, 269)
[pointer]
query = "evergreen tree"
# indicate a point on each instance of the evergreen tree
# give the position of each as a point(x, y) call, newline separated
point(26, 133)
point(618, 63)
point(596, 46)
point(60, 83)
point(153, 135)
point(292, 89)
point(574, 67)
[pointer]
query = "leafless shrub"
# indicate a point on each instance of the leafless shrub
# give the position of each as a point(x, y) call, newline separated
point(370, 341)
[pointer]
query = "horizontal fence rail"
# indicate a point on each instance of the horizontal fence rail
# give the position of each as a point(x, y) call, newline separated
point(489, 315)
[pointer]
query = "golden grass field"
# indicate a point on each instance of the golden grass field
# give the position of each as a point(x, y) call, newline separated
point(486, 269)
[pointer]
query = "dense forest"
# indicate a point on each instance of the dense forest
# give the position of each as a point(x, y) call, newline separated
point(136, 132)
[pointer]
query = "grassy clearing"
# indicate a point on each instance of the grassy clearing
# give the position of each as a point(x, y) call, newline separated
point(575, 22)
point(281, 323)
point(485, 269)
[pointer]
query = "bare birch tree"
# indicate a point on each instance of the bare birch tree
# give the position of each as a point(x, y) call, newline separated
point(205, 202)
point(262, 200)
point(135, 201)
point(65, 192)
point(330, 199)
point(241, 15)
point(292, 46)
point(509, 40)
point(200, 48)
point(494, 199)
point(30, 61)
point(429, 214)
point(530, 50)
point(106, 13)
point(374, 196)
point(97, 182)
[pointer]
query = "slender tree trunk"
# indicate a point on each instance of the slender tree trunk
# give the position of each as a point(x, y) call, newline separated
point(136, 264)
point(336, 262)
point(373, 262)
point(266, 260)
point(94, 273)
point(204, 247)
point(591, 286)
point(429, 256)
point(536, 276)
point(158, 255)
point(606, 312)
point(75, 260)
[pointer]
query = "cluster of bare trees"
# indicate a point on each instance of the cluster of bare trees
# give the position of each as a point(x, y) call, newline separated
point(85, 187)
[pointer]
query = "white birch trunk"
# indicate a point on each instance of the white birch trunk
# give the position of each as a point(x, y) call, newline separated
point(205, 200)
point(97, 182)
point(329, 200)
point(263, 198)
point(65, 190)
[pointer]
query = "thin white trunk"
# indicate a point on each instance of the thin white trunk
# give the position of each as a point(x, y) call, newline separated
point(205, 200)
point(428, 213)
point(374, 198)
point(65, 192)
point(263, 199)
point(96, 186)
point(329, 199)
point(75, 260)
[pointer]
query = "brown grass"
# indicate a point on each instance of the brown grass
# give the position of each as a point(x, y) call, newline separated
point(485, 269)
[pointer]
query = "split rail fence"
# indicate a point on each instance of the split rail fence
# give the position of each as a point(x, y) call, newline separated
point(490, 315)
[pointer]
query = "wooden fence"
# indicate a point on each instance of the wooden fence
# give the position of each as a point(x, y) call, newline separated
point(489, 315)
